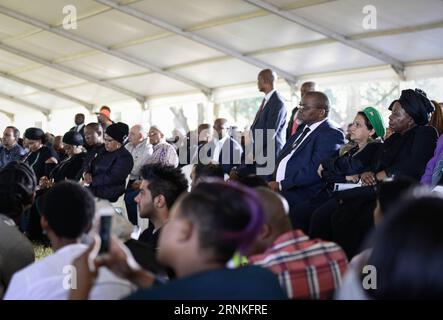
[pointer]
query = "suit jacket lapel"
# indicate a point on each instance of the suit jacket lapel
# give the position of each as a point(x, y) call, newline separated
point(310, 137)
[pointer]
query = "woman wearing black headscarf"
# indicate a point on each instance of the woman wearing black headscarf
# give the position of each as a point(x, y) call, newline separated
point(408, 150)
point(108, 172)
point(347, 218)
point(41, 159)
point(70, 167)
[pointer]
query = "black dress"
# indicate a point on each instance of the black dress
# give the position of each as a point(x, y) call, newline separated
point(336, 169)
point(68, 168)
point(37, 161)
point(351, 218)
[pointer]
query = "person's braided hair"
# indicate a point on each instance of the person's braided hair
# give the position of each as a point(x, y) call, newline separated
point(17, 186)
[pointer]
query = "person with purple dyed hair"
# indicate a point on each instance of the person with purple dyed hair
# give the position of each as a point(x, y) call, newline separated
point(206, 227)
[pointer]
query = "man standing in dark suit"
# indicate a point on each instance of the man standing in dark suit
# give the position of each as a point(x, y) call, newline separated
point(295, 119)
point(79, 124)
point(296, 167)
point(270, 117)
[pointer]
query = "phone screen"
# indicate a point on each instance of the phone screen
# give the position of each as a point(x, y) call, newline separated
point(105, 232)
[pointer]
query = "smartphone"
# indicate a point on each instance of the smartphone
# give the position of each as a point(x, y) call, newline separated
point(105, 233)
point(104, 212)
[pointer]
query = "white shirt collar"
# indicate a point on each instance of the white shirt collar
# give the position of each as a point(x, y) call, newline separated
point(268, 96)
point(314, 126)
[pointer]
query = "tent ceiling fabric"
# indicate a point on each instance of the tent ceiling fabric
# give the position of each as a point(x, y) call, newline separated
point(226, 44)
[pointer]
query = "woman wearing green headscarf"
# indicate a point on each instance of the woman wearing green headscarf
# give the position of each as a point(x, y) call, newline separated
point(366, 128)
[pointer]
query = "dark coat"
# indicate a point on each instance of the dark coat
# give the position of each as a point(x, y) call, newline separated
point(273, 116)
point(68, 168)
point(301, 180)
point(352, 163)
point(109, 172)
point(408, 154)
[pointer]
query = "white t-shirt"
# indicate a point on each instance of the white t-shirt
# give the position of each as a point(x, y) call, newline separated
point(47, 279)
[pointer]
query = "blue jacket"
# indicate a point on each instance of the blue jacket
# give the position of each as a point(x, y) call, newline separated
point(301, 180)
point(109, 172)
point(273, 116)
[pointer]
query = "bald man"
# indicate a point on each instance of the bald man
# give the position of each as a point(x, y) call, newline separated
point(295, 171)
point(292, 256)
point(295, 121)
point(223, 148)
point(271, 115)
point(141, 151)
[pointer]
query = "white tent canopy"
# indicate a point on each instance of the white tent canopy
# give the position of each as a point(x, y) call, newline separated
point(143, 51)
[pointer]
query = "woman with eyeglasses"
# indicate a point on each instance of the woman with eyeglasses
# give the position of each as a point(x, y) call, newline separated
point(106, 177)
point(404, 154)
point(364, 130)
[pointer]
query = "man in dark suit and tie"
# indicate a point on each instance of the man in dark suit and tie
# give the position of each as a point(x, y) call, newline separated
point(295, 173)
point(295, 118)
point(270, 116)
point(79, 124)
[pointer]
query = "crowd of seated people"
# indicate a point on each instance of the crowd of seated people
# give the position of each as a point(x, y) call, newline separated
point(304, 230)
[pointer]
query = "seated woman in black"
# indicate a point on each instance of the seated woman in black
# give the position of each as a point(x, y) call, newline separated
point(41, 159)
point(70, 167)
point(347, 218)
point(108, 171)
point(366, 127)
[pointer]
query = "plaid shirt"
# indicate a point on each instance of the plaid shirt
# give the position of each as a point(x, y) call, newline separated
point(306, 269)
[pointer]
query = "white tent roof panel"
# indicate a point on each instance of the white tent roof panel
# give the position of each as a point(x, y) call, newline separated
point(273, 32)
point(113, 27)
point(14, 107)
point(11, 27)
point(94, 93)
point(424, 45)
point(10, 62)
point(50, 77)
point(50, 11)
point(48, 101)
point(221, 73)
point(185, 14)
point(13, 88)
point(171, 51)
point(346, 16)
point(48, 45)
point(234, 24)
point(104, 66)
point(152, 84)
point(324, 58)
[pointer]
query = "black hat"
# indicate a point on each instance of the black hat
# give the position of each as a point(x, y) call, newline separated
point(417, 105)
point(73, 138)
point(118, 131)
point(34, 134)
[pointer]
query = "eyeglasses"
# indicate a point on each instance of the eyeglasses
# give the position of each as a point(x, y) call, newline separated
point(307, 107)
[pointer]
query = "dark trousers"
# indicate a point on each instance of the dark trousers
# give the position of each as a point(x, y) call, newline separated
point(301, 213)
point(321, 220)
point(131, 205)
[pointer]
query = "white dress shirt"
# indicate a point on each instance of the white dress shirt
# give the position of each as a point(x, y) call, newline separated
point(79, 127)
point(141, 153)
point(46, 279)
point(218, 143)
point(268, 96)
point(281, 170)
